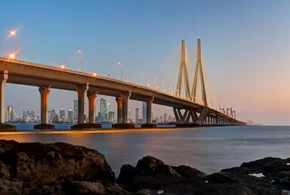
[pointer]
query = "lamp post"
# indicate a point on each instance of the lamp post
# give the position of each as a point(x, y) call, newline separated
point(121, 66)
point(14, 33)
point(12, 56)
point(82, 58)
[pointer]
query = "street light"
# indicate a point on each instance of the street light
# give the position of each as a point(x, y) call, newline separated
point(62, 66)
point(121, 66)
point(95, 74)
point(12, 56)
point(82, 58)
point(14, 33)
point(145, 77)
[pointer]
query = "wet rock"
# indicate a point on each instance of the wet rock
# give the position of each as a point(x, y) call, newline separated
point(220, 178)
point(92, 188)
point(127, 174)
point(188, 172)
point(163, 170)
point(41, 164)
point(147, 165)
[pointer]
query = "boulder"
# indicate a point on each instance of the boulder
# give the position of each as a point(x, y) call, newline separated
point(127, 174)
point(163, 170)
point(93, 188)
point(147, 165)
point(188, 172)
point(39, 164)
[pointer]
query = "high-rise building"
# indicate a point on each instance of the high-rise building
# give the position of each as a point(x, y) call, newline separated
point(144, 111)
point(13, 115)
point(52, 115)
point(111, 116)
point(9, 109)
point(169, 118)
point(32, 116)
point(37, 118)
point(107, 111)
point(6, 115)
point(70, 115)
point(75, 110)
point(136, 114)
point(165, 117)
point(103, 108)
point(62, 115)
point(161, 119)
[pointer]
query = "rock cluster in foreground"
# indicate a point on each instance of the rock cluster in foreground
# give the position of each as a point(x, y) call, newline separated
point(64, 169)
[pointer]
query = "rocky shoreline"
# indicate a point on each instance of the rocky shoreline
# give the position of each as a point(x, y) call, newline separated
point(64, 169)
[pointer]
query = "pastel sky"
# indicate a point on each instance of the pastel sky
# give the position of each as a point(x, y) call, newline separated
point(246, 47)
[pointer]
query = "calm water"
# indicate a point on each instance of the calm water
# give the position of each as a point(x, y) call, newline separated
point(207, 149)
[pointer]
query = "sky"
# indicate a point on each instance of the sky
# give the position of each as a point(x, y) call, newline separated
point(246, 46)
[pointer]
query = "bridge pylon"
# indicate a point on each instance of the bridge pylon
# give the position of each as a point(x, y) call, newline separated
point(199, 72)
point(183, 74)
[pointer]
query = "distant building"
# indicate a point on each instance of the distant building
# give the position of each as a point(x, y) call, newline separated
point(37, 118)
point(9, 110)
point(136, 114)
point(161, 119)
point(111, 116)
point(6, 115)
point(52, 115)
point(13, 115)
point(165, 117)
point(103, 108)
point(107, 111)
point(70, 115)
point(144, 111)
point(75, 111)
point(62, 115)
point(169, 118)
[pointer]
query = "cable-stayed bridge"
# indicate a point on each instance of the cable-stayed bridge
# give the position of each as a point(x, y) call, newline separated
point(192, 106)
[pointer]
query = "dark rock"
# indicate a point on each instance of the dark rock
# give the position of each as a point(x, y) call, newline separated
point(165, 170)
point(127, 174)
point(221, 177)
point(41, 164)
point(92, 188)
point(188, 172)
point(147, 165)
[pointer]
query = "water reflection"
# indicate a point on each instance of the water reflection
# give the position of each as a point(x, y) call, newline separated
point(207, 149)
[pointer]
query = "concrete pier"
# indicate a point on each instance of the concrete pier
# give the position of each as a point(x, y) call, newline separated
point(122, 110)
point(92, 107)
point(3, 80)
point(149, 123)
point(44, 93)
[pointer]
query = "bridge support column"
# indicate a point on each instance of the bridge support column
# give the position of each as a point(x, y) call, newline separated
point(82, 119)
point(149, 123)
point(44, 93)
point(92, 106)
point(119, 109)
point(122, 103)
point(3, 126)
point(82, 90)
point(125, 100)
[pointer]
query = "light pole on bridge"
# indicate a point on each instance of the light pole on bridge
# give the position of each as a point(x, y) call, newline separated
point(121, 66)
point(82, 58)
point(14, 34)
point(145, 78)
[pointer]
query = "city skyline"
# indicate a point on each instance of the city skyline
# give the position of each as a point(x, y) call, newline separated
point(229, 49)
point(68, 115)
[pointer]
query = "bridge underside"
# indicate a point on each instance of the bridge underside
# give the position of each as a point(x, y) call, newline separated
point(201, 117)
